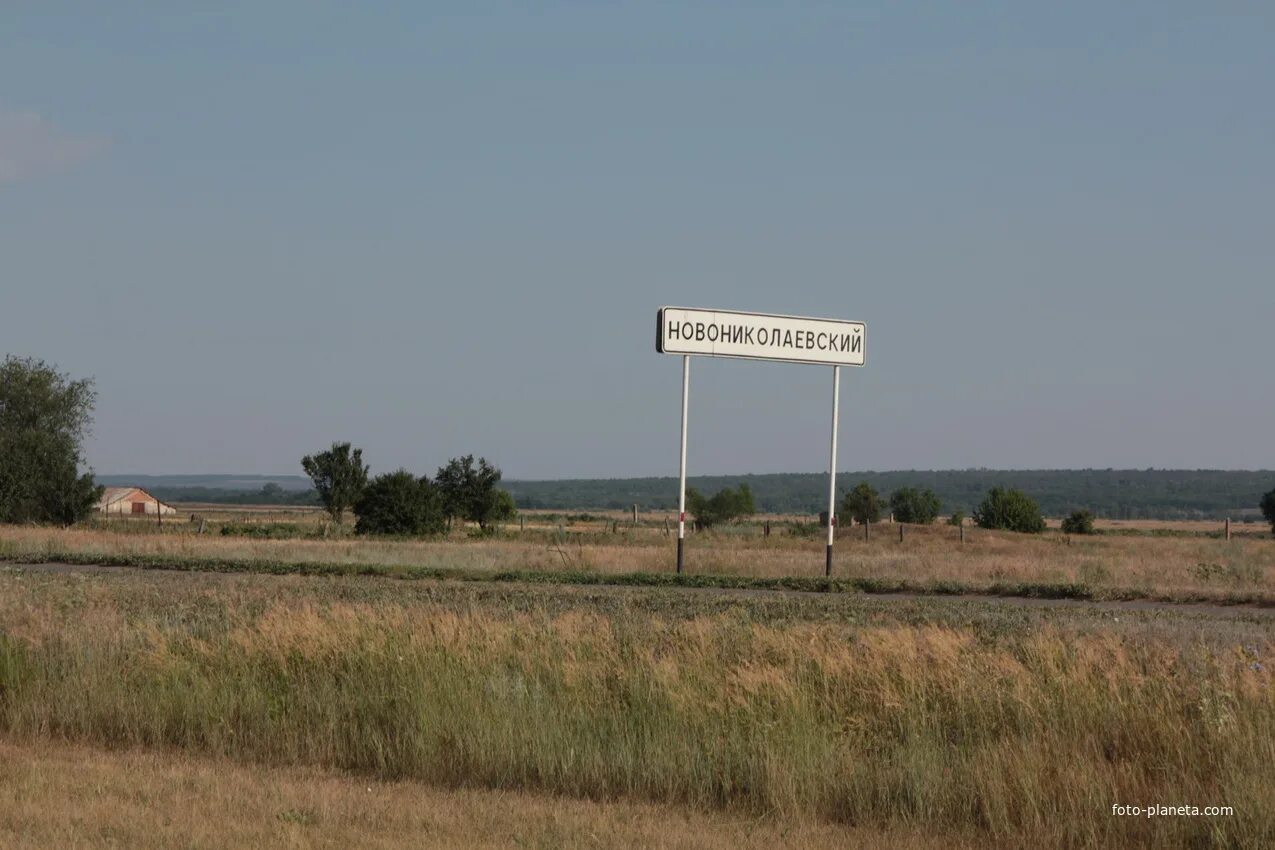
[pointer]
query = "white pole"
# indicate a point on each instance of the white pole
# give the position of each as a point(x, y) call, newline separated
point(681, 484)
point(832, 469)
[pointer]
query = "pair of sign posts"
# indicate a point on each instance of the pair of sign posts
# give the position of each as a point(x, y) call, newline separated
point(760, 336)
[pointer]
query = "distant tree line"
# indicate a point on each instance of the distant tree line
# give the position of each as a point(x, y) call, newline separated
point(1111, 493)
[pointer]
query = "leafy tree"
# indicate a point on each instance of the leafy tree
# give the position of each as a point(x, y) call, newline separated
point(44, 417)
point(1010, 510)
point(908, 504)
point(862, 504)
point(1078, 522)
point(399, 503)
point(339, 476)
point(469, 492)
point(1268, 509)
point(726, 505)
point(271, 493)
point(957, 518)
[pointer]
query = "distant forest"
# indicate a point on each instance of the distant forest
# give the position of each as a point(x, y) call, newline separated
point(1111, 493)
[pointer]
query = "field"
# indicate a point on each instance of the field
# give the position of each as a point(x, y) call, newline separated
point(507, 712)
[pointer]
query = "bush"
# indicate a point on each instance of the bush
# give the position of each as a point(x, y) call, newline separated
point(1009, 510)
point(957, 518)
point(1079, 522)
point(1268, 509)
point(399, 503)
point(862, 504)
point(908, 504)
point(726, 505)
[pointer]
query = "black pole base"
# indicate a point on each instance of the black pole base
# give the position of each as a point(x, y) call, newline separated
point(680, 541)
point(827, 566)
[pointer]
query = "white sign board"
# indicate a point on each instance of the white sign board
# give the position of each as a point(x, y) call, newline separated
point(760, 336)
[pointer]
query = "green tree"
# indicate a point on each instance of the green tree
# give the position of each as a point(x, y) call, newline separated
point(469, 491)
point(862, 504)
point(726, 505)
point(1268, 509)
point(957, 518)
point(1010, 510)
point(909, 504)
point(399, 503)
point(1078, 522)
point(339, 476)
point(44, 418)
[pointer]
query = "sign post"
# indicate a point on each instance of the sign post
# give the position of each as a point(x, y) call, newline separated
point(832, 470)
point(681, 476)
point(760, 336)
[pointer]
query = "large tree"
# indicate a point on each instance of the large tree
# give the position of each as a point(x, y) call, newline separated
point(339, 476)
point(469, 491)
point(44, 418)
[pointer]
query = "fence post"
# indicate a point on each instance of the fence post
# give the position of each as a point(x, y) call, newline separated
point(866, 526)
point(900, 532)
point(1228, 528)
point(962, 534)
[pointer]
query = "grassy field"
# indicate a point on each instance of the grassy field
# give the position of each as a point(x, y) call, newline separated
point(1186, 561)
point(842, 717)
point(69, 796)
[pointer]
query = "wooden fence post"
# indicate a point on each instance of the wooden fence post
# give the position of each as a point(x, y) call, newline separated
point(962, 534)
point(1228, 528)
point(866, 526)
point(900, 532)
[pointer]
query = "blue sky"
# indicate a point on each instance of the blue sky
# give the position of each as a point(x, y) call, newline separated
point(435, 229)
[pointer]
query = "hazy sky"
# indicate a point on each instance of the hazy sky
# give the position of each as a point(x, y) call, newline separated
point(435, 229)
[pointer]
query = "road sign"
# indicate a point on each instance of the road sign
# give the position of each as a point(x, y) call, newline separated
point(761, 336)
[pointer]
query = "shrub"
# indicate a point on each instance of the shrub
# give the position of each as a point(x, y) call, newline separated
point(1009, 510)
point(957, 518)
point(1079, 522)
point(1268, 509)
point(862, 504)
point(908, 504)
point(726, 505)
point(399, 503)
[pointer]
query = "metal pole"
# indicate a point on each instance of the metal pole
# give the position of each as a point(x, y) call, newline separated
point(832, 469)
point(681, 483)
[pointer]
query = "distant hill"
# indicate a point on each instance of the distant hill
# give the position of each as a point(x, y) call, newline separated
point(1112, 493)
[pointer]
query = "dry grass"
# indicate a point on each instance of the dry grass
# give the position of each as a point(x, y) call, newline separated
point(1016, 730)
point(68, 796)
point(1196, 565)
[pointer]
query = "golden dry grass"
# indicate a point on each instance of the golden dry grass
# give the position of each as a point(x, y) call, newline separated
point(1144, 563)
point(1012, 728)
point(73, 796)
